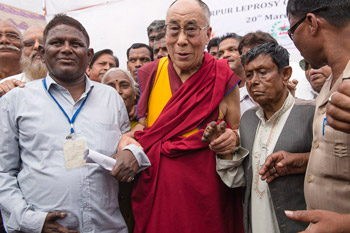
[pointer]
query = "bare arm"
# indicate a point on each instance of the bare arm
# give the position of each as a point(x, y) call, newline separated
point(129, 137)
point(232, 105)
point(227, 141)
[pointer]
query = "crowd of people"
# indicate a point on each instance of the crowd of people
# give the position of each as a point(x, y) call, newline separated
point(206, 134)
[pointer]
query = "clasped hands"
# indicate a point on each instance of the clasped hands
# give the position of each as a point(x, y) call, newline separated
point(222, 140)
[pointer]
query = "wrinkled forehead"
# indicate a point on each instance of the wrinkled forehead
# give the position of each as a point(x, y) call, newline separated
point(160, 43)
point(185, 12)
point(34, 32)
point(8, 27)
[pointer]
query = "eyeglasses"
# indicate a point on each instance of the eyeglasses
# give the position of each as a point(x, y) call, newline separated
point(31, 42)
point(191, 30)
point(292, 29)
point(10, 36)
point(304, 65)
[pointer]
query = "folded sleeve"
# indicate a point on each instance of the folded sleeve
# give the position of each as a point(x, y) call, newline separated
point(140, 156)
point(231, 172)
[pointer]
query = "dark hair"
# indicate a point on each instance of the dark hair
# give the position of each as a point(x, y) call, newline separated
point(229, 35)
point(66, 20)
point(140, 45)
point(336, 12)
point(253, 39)
point(213, 42)
point(100, 53)
point(159, 36)
point(156, 25)
point(278, 54)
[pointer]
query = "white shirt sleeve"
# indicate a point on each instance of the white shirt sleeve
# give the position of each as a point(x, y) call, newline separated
point(140, 156)
point(17, 214)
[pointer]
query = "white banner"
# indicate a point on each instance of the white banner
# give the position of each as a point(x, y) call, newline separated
point(118, 24)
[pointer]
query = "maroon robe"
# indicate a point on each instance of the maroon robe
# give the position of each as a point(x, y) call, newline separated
point(181, 191)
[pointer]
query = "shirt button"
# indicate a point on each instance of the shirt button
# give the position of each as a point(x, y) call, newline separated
point(323, 110)
point(316, 144)
point(309, 179)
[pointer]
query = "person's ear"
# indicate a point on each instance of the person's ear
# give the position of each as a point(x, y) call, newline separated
point(208, 35)
point(90, 54)
point(313, 23)
point(41, 51)
point(286, 74)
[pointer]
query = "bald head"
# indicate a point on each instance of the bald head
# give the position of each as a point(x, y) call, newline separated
point(32, 39)
point(203, 6)
point(31, 61)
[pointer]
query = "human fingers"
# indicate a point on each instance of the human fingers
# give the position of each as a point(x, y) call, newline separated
point(50, 224)
point(126, 166)
point(4, 88)
point(338, 125)
point(311, 216)
point(225, 144)
point(344, 87)
point(53, 216)
point(126, 140)
point(271, 162)
point(17, 83)
point(339, 100)
point(209, 130)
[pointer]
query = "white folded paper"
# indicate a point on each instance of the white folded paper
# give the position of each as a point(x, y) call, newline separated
point(104, 161)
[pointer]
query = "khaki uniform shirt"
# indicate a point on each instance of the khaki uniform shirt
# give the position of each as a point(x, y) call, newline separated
point(327, 180)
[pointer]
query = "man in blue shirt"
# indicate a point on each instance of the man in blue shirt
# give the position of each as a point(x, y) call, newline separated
point(45, 185)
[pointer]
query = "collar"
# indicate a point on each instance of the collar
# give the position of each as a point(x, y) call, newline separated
point(243, 93)
point(50, 82)
point(288, 103)
point(326, 92)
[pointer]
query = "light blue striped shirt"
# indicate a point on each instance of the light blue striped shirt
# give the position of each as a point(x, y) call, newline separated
point(33, 177)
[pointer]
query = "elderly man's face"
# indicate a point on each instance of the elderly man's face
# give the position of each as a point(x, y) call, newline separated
point(32, 39)
point(187, 51)
point(66, 53)
point(10, 42)
point(264, 83)
point(102, 64)
point(118, 80)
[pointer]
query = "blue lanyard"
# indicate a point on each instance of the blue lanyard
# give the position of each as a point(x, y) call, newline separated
point(71, 121)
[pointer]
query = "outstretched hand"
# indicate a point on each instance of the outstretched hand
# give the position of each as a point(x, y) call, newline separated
point(282, 163)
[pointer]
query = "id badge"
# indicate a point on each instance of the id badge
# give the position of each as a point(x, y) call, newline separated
point(73, 150)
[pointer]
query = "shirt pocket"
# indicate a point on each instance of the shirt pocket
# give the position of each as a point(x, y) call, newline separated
point(336, 153)
point(106, 138)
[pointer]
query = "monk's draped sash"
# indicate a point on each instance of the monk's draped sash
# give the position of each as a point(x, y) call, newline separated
point(181, 191)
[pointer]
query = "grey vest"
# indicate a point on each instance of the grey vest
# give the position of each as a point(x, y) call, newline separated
point(287, 192)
